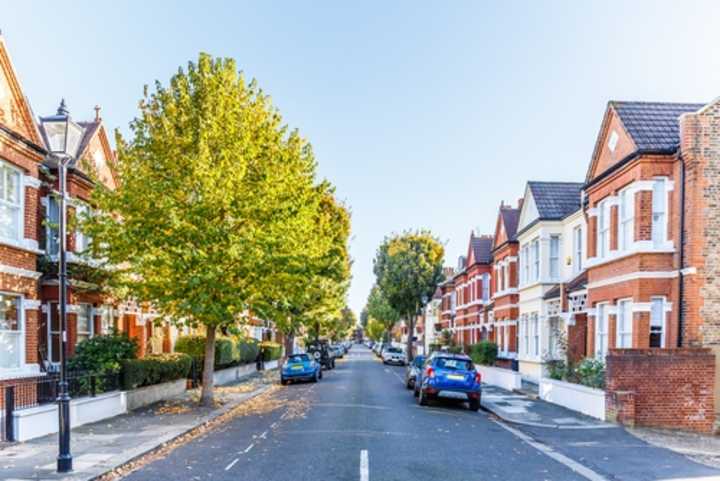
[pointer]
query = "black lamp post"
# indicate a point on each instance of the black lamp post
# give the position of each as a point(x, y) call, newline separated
point(63, 139)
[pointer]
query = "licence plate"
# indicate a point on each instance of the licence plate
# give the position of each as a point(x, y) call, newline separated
point(456, 377)
point(297, 368)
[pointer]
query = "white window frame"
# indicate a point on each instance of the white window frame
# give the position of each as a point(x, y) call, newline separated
point(91, 322)
point(506, 275)
point(536, 333)
point(82, 241)
point(485, 287)
point(577, 248)
point(659, 212)
point(18, 334)
point(18, 206)
point(626, 213)
point(662, 322)
point(555, 257)
point(602, 315)
point(506, 338)
point(624, 324)
point(536, 259)
point(603, 231)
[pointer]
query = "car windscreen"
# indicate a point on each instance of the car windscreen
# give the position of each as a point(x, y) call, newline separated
point(453, 364)
point(298, 358)
point(394, 350)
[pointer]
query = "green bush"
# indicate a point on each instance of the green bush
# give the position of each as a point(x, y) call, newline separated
point(226, 352)
point(455, 349)
point(591, 372)
point(247, 349)
point(193, 346)
point(155, 369)
point(485, 353)
point(271, 350)
point(103, 354)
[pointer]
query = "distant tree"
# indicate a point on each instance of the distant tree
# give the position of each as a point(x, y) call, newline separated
point(408, 268)
point(375, 329)
point(379, 308)
point(364, 317)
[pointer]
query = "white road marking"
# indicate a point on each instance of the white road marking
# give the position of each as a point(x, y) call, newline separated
point(364, 466)
point(263, 435)
point(227, 468)
point(247, 450)
point(583, 471)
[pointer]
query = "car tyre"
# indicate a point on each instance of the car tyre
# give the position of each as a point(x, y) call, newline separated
point(422, 399)
point(474, 404)
point(315, 377)
point(408, 384)
point(284, 381)
point(416, 392)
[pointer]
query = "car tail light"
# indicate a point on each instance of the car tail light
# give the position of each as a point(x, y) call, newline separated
point(478, 378)
point(430, 372)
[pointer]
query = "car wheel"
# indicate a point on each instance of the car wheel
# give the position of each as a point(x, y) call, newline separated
point(283, 381)
point(315, 377)
point(474, 404)
point(333, 363)
point(408, 384)
point(422, 399)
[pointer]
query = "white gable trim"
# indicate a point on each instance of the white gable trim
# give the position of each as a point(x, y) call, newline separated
point(529, 212)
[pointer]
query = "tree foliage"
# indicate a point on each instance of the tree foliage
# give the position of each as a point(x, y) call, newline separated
point(217, 206)
point(408, 268)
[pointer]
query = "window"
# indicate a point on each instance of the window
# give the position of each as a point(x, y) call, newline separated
point(554, 257)
point(536, 259)
point(603, 229)
point(506, 338)
point(657, 322)
point(601, 331)
point(536, 335)
point(107, 322)
point(82, 241)
point(627, 221)
point(10, 203)
point(624, 324)
point(84, 322)
point(52, 226)
point(556, 330)
point(526, 263)
point(526, 334)
point(506, 276)
point(12, 338)
point(659, 213)
point(577, 249)
point(485, 287)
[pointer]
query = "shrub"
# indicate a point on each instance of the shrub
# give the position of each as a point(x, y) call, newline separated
point(271, 350)
point(103, 354)
point(591, 372)
point(485, 352)
point(226, 353)
point(193, 346)
point(247, 349)
point(455, 349)
point(155, 369)
point(558, 370)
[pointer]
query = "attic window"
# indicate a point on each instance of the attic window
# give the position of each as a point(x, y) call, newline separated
point(613, 140)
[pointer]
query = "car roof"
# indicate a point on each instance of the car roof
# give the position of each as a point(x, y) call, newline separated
point(450, 355)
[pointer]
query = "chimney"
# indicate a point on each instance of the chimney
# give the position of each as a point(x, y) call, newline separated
point(97, 114)
point(520, 203)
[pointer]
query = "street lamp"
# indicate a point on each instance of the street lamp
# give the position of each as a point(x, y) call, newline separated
point(63, 136)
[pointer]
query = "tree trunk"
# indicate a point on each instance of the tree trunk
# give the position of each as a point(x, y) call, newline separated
point(411, 332)
point(206, 396)
point(289, 341)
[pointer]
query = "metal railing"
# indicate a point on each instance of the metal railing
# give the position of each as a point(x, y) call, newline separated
point(38, 391)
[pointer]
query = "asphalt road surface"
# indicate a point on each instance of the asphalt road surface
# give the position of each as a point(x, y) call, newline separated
point(360, 423)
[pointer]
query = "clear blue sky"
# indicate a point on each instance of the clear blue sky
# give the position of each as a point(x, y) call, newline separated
point(423, 114)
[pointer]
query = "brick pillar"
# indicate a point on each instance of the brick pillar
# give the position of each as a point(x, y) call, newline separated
point(614, 227)
point(72, 332)
point(612, 331)
point(590, 336)
point(32, 331)
point(641, 330)
point(643, 215)
point(592, 236)
point(577, 338)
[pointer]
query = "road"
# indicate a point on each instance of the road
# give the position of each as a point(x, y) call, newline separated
point(360, 423)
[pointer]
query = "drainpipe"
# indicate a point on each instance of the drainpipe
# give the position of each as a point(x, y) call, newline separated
point(682, 252)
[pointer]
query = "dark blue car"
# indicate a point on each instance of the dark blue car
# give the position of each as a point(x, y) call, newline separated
point(449, 376)
point(300, 367)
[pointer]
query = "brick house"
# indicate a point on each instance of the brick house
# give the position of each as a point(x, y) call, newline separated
point(550, 218)
point(473, 293)
point(21, 154)
point(505, 281)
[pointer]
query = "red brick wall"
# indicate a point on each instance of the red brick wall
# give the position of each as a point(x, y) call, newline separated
point(577, 339)
point(670, 388)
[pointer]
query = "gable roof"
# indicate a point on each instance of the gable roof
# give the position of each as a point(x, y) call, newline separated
point(481, 247)
point(510, 218)
point(653, 126)
point(555, 200)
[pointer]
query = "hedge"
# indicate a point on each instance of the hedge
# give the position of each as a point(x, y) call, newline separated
point(271, 350)
point(155, 369)
point(484, 353)
point(103, 354)
point(229, 351)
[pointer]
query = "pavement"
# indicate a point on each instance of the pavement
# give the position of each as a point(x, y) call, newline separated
point(360, 423)
point(100, 447)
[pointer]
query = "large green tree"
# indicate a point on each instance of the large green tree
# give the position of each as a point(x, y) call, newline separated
point(408, 268)
point(215, 201)
point(379, 308)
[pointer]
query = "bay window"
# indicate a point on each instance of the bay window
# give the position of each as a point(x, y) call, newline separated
point(603, 221)
point(12, 337)
point(84, 322)
point(536, 259)
point(624, 324)
point(577, 249)
point(627, 221)
point(536, 334)
point(82, 240)
point(52, 236)
point(659, 212)
point(485, 287)
point(11, 216)
point(554, 257)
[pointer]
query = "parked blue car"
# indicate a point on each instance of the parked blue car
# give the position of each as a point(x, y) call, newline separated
point(300, 367)
point(450, 376)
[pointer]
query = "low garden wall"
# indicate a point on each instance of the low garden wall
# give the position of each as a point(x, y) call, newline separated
point(148, 395)
point(666, 388)
point(504, 378)
point(233, 374)
point(577, 397)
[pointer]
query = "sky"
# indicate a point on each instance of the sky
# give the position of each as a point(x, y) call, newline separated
point(422, 114)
